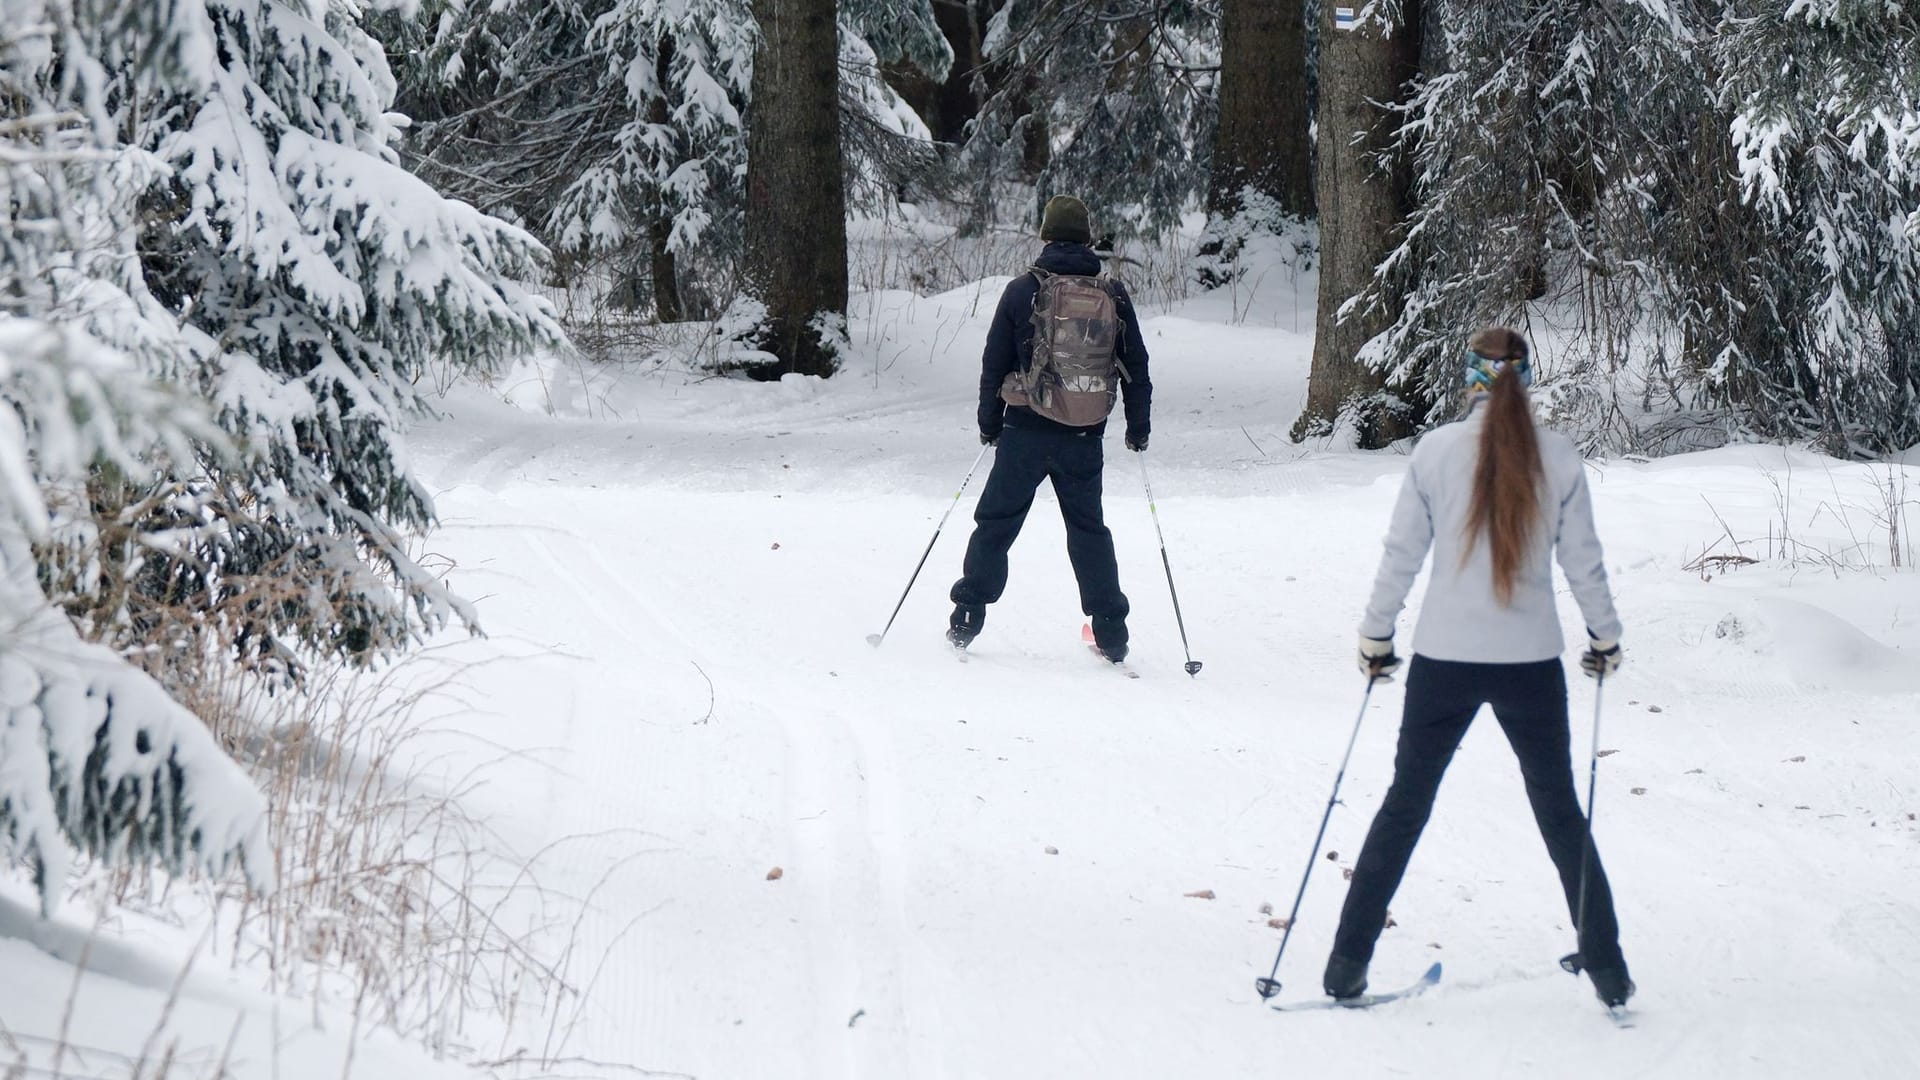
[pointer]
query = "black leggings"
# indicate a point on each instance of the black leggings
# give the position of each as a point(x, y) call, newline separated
point(1530, 701)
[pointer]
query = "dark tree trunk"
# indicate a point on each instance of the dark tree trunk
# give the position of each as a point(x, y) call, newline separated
point(1262, 140)
point(796, 258)
point(947, 107)
point(1361, 210)
point(1037, 142)
point(662, 266)
point(664, 271)
point(963, 23)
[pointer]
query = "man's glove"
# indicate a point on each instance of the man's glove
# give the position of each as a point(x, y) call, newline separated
point(1601, 658)
point(989, 440)
point(1376, 658)
point(1136, 443)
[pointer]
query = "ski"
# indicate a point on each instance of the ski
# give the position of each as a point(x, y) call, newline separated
point(1086, 635)
point(1365, 1001)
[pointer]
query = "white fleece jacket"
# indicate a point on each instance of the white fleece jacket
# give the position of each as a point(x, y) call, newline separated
point(1460, 619)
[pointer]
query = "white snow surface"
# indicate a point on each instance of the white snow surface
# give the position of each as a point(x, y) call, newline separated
point(985, 868)
point(148, 990)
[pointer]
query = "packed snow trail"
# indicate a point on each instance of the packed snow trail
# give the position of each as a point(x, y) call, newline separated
point(1001, 869)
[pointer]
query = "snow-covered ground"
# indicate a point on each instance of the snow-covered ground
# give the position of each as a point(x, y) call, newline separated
point(988, 870)
point(985, 869)
point(88, 996)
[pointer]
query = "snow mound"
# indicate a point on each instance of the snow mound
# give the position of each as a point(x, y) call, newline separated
point(1815, 647)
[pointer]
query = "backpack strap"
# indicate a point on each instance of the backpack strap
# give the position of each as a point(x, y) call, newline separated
point(1106, 282)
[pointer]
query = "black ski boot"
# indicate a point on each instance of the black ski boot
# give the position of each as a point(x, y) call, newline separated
point(1344, 978)
point(1110, 636)
point(964, 624)
point(1611, 985)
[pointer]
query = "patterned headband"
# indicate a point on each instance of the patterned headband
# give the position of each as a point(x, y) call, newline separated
point(1481, 371)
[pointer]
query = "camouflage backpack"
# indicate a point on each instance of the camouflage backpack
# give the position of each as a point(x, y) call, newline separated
point(1074, 376)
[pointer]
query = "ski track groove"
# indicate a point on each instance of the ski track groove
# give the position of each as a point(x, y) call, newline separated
point(847, 864)
point(841, 808)
point(605, 770)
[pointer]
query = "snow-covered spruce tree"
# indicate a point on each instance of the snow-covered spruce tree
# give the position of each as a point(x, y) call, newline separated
point(1117, 96)
point(887, 148)
point(1823, 105)
point(1712, 203)
point(94, 756)
point(948, 104)
point(1542, 144)
point(311, 283)
point(612, 128)
point(615, 129)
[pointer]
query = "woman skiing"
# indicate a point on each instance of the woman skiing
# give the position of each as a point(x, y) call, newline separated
point(1493, 497)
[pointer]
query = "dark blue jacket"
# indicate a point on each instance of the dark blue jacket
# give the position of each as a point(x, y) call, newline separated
point(1010, 348)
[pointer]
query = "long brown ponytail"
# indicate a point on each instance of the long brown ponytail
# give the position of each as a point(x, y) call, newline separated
point(1508, 477)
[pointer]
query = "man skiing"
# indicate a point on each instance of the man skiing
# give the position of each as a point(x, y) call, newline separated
point(1046, 420)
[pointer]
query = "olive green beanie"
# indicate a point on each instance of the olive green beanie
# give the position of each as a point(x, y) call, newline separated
point(1065, 218)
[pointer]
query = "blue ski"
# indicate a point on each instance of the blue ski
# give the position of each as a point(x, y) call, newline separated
point(1365, 1001)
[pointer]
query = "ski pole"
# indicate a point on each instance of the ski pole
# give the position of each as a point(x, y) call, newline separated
point(875, 639)
point(1573, 962)
point(1193, 666)
point(1270, 985)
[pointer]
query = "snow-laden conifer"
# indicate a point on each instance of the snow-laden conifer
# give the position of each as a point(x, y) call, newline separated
point(1822, 104)
point(308, 286)
point(1115, 98)
point(611, 128)
point(615, 130)
point(94, 756)
point(220, 295)
point(1713, 207)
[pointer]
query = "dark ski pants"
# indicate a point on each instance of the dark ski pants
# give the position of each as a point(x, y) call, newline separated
point(1530, 701)
point(1073, 462)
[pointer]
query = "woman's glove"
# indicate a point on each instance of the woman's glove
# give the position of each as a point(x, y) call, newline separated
point(1601, 658)
point(1376, 658)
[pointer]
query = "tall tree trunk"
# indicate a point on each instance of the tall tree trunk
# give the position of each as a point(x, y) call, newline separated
point(664, 270)
point(1262, 140)
point(796, 258)
point(1361, 210)
point(663, 267)
point(965, 91)
point(1037, 135)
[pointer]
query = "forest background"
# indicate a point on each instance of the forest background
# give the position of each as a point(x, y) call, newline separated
point(247, 240)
